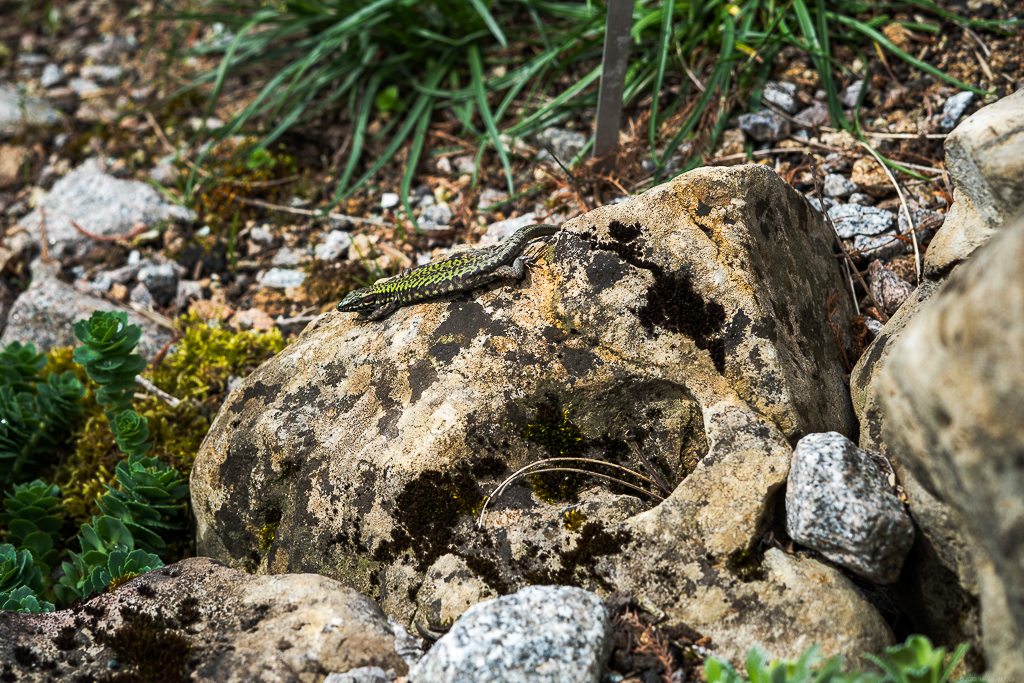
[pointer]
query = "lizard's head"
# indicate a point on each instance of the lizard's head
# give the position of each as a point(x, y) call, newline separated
point(359, 301)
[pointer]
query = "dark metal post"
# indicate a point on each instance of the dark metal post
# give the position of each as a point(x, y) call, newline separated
point(613, 76)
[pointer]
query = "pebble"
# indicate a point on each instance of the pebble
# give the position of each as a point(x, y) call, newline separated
point(496, 232)
point(389, 200)
point(282, 278)
point(188, 291)
point(108, 75)
point(83, 87)
point(286, 256)
point(782, 95)
point(849, 96)
point(853, 219)
point(435, 215)
point(466, 164)
point(142, 296)
point(888, 288)
point(954, 109)
point(262, 236)
point(161, 281)
point(566, 144)
point(110, 49)
point(541, 634)
point(862, 199)
point(334, 245)
point(17, 111)
point(490, 197)
point(838, 186)
point(363, 674)
point(838, 502)
point(52, 75)
point(814, 116)
point(816, 205)
point(764, 126)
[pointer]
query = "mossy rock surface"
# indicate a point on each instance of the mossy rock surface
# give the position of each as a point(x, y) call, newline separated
point(694, 318)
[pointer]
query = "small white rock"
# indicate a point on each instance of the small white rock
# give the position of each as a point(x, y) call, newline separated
point(389, 200)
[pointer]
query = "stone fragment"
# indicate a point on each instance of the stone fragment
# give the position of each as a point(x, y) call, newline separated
point(18, 111)
point(962, 231)
point(141, 295)
point(99, 203)
point(814, 116)
point(52, 76)
point(862, 199)
point(502, 230)
point(838, 186)
point(816, 205)
point(83, 87)
point(566, 144)
point(364, 674)
point(764, 126)
point(107, 75)
point(985, 158)
point(436, 215)
point(197, 620)
point(45, 313)
point(253, 319)
point(12, 165)
point(489, 197)
point(161, 281)
point(465, 164)
point(870, 177)
point(782, 95)
point(262, 236)
point(951, 392)
point(282, 278)
point(286, 256)
point(187, 292)
point(852, 220)
point(848, 98)
point(843, 140)
point(164, 174)
point(541, 634)
point(335, 244)
point(839, 503)
point(109, 49)
point(954, 109)
point(389, 200)
point(888, 288)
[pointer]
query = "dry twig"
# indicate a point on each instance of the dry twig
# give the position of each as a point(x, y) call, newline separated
point(903, 203)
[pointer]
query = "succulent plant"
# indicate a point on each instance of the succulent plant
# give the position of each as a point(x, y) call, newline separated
point(24, 600)
point(20, 366)
point(108, 341)
point(131, 434)
point(17, 570)
point(33, 521)
point(153, 496)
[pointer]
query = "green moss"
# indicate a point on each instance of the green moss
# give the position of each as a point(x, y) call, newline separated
point(574, 520)
point(745, 565)
point(208, 355)
point(267, 534)
point(561, 438)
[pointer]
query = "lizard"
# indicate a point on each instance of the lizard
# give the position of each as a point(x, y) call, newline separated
point(458, 273)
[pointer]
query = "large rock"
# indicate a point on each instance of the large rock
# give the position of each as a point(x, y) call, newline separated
point(541, 634)
point(198, 620)
point(46, 312)
point(951, 394)
point(695, 316)
point(99, 203)
point(985, 158)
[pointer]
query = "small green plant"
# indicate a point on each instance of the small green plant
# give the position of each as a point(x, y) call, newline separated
point(152, 496)
point(33, 521)
point(106, 354)
point(34, 412)
point(24, 600)
point(915, 661)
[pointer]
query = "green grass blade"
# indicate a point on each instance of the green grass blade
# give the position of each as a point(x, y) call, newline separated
point(485, 14)
point(414, 157)
point(659, 76)
point(880, 38)
point(359, 134)
point(476, 71)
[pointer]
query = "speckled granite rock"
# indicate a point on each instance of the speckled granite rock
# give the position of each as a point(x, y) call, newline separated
point(540, 634)
point(839, 503)
point(888, 288)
